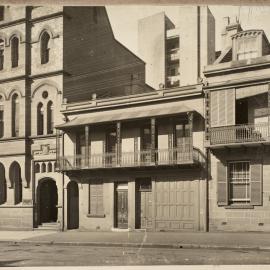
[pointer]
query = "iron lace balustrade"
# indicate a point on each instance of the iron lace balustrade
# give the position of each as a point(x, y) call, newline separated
point(240, 134)
point(142, 158)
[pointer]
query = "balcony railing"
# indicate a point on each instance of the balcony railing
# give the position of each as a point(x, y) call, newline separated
point(240, 134)
point(132, 159)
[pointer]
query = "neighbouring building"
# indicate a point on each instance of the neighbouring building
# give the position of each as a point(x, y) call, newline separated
point(237, 131)
point(175, 54)
point(49, 55)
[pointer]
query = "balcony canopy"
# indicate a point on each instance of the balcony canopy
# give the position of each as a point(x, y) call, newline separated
point(127, 114)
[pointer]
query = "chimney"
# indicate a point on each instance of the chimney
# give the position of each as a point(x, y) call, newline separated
point(231, 27)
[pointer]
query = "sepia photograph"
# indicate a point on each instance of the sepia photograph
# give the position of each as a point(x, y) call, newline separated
point(134, 135)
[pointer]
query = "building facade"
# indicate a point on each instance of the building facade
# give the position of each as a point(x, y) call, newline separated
point(41, 62)
point(183, 48)
point(237, 131)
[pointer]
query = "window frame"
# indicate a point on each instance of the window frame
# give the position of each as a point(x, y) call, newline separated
point(239, 201)
point(44, 48)
point(2, 54)
point(14, 51)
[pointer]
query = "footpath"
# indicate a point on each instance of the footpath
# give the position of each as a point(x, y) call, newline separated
point(142, 239)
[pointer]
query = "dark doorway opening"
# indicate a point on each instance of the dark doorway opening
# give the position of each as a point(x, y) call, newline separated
point(72, 205)
point(47, 201)
point(241, 112)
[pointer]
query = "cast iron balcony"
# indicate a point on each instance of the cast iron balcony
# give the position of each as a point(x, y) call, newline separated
point(145, 158)
point(240, 134)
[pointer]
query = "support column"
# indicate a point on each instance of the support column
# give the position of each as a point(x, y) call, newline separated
point(268, 103)
point(153, 139)
point(86, 146)
point(118, 144)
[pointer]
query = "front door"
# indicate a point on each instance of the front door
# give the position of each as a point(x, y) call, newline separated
point(121, 204)
point(143, 203)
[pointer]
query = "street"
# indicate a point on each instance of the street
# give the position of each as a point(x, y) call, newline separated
point(22, 254)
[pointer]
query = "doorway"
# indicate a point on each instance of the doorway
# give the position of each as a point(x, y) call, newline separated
point(72, 205)
point(121, 206)
point(143, 203)
point(47, 201)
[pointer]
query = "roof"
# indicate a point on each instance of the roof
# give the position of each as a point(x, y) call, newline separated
point(139, 113)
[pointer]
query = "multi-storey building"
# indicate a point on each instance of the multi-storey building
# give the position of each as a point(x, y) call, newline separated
point(175, 54)
point(135, 162)
point(47, 55)
point(237, 131)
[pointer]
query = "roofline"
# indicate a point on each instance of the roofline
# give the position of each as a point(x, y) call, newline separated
point(123, 101)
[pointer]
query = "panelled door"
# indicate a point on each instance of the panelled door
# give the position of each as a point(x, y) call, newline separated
point(121, 205)
point(143, 203)
point(177, 205)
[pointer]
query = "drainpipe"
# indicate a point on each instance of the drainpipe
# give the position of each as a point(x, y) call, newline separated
point(63, 188)
point(207, 189)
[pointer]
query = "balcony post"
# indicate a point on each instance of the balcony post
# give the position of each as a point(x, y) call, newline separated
point(268, 103)
point(190, 123)
point(86, 130)
point(118, 143)
point(153, 139)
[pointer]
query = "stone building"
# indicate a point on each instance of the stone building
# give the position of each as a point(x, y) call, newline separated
point(237, 131)
point(50, 55)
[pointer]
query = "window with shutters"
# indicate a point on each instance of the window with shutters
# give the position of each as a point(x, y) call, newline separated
point(96, 199)
point(239, 182)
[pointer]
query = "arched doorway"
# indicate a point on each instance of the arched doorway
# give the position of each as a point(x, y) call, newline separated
point(47, 201)
point(72, 205)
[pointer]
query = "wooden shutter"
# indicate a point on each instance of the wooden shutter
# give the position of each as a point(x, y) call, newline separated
point(256, 183)
point(214, 108)
point(222, 105)
point(222, 184)
point(96, 199)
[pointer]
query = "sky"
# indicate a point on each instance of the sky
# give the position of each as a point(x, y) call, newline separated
point(124, 19)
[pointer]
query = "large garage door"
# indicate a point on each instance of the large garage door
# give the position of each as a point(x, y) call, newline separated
point(177, 205)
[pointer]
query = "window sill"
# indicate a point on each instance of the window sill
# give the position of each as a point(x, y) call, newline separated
point(243, 206)
point(95, 216)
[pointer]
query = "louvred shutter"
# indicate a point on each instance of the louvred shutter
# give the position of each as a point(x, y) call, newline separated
point(256, 183)
point(222, 184)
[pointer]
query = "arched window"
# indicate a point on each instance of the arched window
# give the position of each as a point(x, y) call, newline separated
point(14, 52)
point(44, 48)
point(43, 167)
point(16, 180)
point(40, 119)
point(49, 167)
point(2, 46)
point(1, 117)
point(3, 185)
point(50, 116)
point(15, 116)
point(37, 168)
